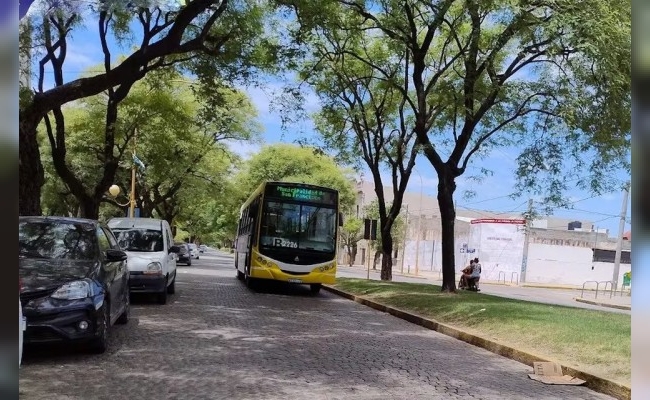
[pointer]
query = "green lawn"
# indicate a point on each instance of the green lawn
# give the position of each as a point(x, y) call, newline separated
point(593, 341)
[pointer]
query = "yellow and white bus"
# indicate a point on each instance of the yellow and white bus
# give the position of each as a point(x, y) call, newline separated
point(288, 232)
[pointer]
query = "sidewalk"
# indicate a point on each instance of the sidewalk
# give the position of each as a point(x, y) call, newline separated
point(557, 295)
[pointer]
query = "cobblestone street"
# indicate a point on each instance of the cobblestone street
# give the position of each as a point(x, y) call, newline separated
point(216, 339)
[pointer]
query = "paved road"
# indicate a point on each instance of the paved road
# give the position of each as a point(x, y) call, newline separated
point(215, 339)
point(561, 297)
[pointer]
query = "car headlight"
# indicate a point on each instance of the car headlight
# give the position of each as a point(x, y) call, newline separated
point(73, 291)
point(154, 268)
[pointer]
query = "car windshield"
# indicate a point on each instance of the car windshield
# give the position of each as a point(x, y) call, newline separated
point(192, 246)
point(140, 240)
point(307, 227)
point(56, 240)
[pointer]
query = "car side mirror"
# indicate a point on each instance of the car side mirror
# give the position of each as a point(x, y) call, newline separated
point(114, 255)
point(175, 249)
point(340, 219)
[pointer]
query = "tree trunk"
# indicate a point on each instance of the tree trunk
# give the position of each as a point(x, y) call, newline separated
point(89, 208)
point(387, 260)
point(30, 169)
point(446, 188)
point(376, 259)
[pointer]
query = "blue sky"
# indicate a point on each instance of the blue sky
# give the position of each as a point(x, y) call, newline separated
point(84, 52)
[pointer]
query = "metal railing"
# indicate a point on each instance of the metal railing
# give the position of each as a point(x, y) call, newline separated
point(504, 277)
point(512, 277)
point(598, 283)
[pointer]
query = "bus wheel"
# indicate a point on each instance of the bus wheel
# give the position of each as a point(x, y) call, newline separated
point(315, 288)
point(250, 281)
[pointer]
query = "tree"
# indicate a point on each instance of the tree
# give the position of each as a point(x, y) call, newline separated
point(186, 164)
point(203, 36)
point(550, 77)
point(363, 115)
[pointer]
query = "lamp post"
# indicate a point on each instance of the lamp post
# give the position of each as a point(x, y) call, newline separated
point(114, 190)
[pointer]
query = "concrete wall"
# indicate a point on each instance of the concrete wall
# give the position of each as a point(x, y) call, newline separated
point(567, 265)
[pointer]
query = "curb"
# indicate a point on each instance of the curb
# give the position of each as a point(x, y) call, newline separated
point(596, 303)
point(593, 382)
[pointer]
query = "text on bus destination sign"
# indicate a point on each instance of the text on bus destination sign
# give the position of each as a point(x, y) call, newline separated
point(300, 193)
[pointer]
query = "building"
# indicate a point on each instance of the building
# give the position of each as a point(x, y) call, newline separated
point(553, 242)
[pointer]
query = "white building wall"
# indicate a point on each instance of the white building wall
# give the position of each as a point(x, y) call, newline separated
point(568, 265)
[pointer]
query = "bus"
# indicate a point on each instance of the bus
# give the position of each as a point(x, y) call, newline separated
point(288, 232)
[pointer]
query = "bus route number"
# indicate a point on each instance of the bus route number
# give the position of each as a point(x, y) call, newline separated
point(278, 242)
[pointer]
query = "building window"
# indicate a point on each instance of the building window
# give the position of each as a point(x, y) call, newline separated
point(608, 256)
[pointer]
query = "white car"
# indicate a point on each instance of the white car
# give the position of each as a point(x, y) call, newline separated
point(152, 255)
point(194, 250)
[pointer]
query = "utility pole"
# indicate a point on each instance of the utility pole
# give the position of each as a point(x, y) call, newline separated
point(406, 229)
point(621, 231)
point(524, 258)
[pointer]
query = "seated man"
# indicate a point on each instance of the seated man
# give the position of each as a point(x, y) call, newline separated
point(475, 276)
point(467, 271)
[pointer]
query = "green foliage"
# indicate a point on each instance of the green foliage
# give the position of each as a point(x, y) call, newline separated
point(187, 166)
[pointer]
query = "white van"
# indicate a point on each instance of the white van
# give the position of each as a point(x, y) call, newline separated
point(149, 244)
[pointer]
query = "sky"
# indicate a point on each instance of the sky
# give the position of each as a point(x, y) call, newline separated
point(84, 52)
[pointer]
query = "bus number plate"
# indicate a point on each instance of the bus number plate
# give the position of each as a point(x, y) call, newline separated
point(295, 280)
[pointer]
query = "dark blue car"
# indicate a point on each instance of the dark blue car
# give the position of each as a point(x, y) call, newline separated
point(74, 280)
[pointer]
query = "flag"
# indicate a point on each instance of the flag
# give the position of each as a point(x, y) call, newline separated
point(139, 163)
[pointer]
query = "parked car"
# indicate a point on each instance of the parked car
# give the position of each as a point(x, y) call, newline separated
point(75, 283)
point(184, 255)
point(148, 242)
point(194, 250)
point(203, 248)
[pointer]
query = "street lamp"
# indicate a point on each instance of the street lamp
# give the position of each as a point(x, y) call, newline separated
point(115, 190)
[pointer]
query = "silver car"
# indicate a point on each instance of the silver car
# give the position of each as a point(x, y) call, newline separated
point(194, 250)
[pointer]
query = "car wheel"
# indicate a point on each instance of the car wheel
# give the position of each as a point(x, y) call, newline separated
point(124, 317)
point(189, 262)
point(100, 343)
point(171, 289)
point(315, 288)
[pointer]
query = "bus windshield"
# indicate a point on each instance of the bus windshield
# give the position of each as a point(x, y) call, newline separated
point(298, 226)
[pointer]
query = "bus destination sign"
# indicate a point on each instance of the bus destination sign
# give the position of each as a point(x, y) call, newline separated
point(303, 194)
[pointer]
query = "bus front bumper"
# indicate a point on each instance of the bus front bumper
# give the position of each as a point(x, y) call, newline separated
point(327, 277)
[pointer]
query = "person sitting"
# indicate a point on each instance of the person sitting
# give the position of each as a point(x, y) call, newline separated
point(467, 272)
point(475, 276)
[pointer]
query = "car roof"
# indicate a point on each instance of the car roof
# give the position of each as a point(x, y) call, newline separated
point(56, 218)
point(146, 223)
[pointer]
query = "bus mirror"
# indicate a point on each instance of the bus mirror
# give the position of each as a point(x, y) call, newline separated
point(340, 219)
